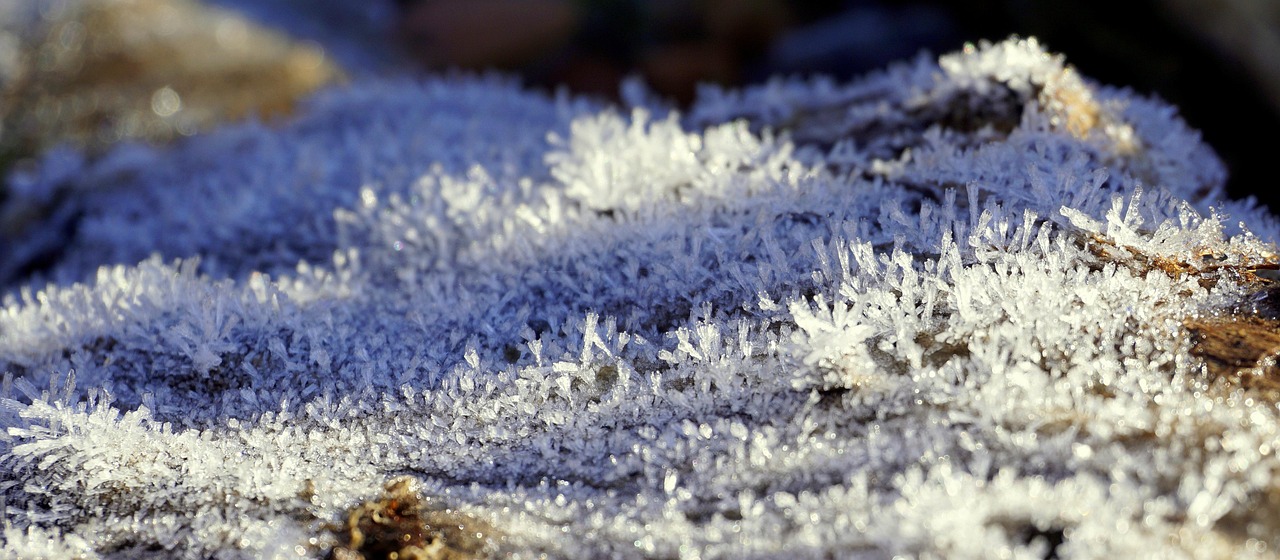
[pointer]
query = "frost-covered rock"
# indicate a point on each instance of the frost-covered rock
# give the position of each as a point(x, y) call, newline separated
point(938, 312)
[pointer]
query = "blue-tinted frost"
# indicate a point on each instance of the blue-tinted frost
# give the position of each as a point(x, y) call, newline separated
point(915, 314)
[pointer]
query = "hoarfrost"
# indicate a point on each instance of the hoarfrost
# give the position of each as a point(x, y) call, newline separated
point(935, 312)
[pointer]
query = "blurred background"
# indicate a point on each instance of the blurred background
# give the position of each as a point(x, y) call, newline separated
point(90, 74)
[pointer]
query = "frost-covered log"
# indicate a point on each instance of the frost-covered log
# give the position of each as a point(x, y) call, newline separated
point(969, 307)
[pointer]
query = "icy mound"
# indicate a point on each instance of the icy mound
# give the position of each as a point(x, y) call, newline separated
point(943, 311)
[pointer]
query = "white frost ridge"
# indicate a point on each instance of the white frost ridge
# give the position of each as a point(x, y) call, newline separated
point(803, 320)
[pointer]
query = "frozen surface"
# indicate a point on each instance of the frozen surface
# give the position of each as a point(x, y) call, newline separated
point(934, 312)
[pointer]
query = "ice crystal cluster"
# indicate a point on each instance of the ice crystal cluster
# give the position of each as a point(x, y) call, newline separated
point(936, 312)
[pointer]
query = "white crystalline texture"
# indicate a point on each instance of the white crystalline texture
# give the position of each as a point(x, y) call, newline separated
point(936, 312)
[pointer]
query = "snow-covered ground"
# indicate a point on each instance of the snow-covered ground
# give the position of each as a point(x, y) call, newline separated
point(940, 311)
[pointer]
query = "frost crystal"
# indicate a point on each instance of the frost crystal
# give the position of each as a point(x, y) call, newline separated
point(938, 312)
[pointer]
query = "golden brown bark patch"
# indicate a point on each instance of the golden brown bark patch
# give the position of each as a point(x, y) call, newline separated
point(1240, 348)
point(401, 525)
